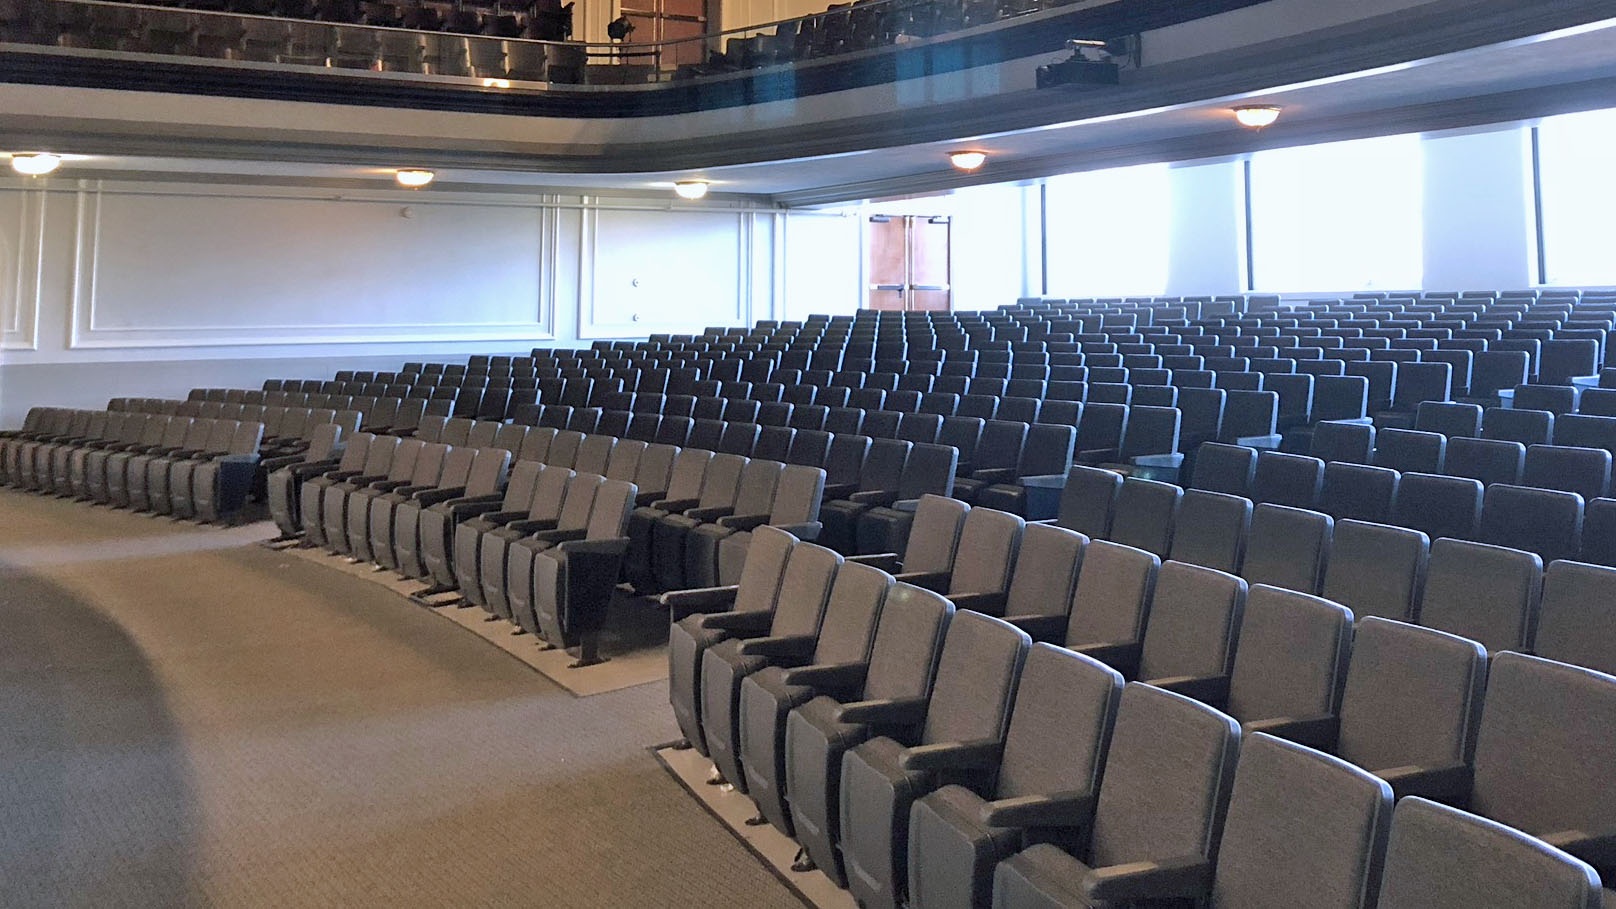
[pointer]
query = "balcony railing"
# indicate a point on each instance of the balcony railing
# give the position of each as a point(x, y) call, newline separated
point(124, 30)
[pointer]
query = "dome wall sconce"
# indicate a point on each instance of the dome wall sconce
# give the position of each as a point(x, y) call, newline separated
point(1256, 116)
point(691, 189)
point(35, 164)
point(413, 177)
point(967, 160)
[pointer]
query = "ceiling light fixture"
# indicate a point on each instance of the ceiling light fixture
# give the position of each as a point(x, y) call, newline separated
point(1256, 116)
point(35, 164)
point(967, 160)
point(413, 177)
point(691, 189)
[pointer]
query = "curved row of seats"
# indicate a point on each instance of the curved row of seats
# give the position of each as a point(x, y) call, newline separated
point(930, 757)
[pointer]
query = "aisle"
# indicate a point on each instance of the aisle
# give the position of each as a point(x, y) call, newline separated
point(190, 719)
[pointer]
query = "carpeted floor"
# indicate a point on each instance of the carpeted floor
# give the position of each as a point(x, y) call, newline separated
point(187, 719)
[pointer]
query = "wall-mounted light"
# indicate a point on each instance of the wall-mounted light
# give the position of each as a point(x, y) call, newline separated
point(413, 177)
point(1256, 116)
point(691, 189)
point(967, 160)
point(35, 164)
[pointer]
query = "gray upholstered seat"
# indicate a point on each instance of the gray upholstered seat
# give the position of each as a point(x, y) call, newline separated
point(750, 493)
point(498, 531)
point(1088, 501)
point(414, 520)
point(692, 610)
point(574, 579)
point(1040, 591)
point(216, 488)
point(1442, 858)
point(755, 640)
point(897, 683)
point(1303, 829)
point(1577, 618)
point(683, 489)
point(442, 524)
point(768, 695)
point(1161, 804)
point(534, 536)
point(1376, 569)
point(1224, 468)
point(1189, 643)
point(475, 521)
point(285, 486)
point(959, 740)
point(373, 458)
point(1288, 547)
point(1486, 593)
point(794, 506)
point(347, 507)
point(1291, 660)
point(1110, 602)
point(1145, 514)
point(1545, 521)
point(1211, 529)
point(1051, 763)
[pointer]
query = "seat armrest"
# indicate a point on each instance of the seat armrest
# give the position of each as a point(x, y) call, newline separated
point(1596, 848)
point(1212, 690)
point(874, 497)
point(466, 510)
point(1096, 456)
point(609, 547)
point(995, 475)
point(795, 647)
point(380, 484)
point(886, 561)
point(698, 599)
point(504, 517)
point(560, 536)
point(183, 454)
point(1164, 461)
point(1057, 809)
point(496, 499)
point(808, 530)
point(433, 495)
point(936, 581)
point(839, 490)
point(884, 712)
point(537, 525)
point(649, 496)
point(1449, 785)
point(709, 514)
point(981, 754)
point(673, 505)
point(1046, 628)
point(742, 521)
point(1189, 877)
point(987, 603)
point(753, 622)
point(829, 676)
point(1319, 732)
point(1043, 481)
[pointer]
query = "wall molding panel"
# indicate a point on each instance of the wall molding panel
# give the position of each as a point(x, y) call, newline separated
point(22, 264)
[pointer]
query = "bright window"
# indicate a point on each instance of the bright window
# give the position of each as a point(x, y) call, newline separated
point(1345, 216)
point(1107, 232)
point(1578, 187)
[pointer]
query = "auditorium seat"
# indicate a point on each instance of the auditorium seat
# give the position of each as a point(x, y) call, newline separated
point(786, 635)
point(1486, 460)
point(370, 510)
point(819, 733)
point(1439, 857)
point(1577, 616)
point(878, 481)
point(451, 536)
point(957, 733)
point(1486, 593)
point(1410, 451)
point(1528, 427)
point(1376, 569)
point(685, 484)
point(572, 581)
point(1340, 441)
point(1190, 638)
point(1287, 479)
point(1144, 516)
point(1211, 529)
point(1585, 471)
point(1088, 501)
point(483, 476)
point(1224, 468)
point(366, 456)
point(1543, 521)
point(884, 525)
point(748, 494)
point(1358, 491)
point(1438, 506)
point(1287, 547)
point(1448, 418)
point(1168, 770)
point(214, 486)
point(794, 502)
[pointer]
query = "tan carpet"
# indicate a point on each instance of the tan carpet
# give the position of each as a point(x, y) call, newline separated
point(190, 720)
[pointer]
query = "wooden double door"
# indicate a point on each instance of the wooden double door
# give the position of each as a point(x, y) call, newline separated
point(908, 263)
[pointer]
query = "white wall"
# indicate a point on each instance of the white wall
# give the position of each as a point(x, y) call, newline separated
point(1206, 235)
point(111, 289)
point(1480, 223)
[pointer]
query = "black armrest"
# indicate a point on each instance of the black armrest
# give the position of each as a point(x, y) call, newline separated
point(560, 536)
point(503, 517)
point(1597, 849)
point(433, 495)
point(1096, 456)
point(673, 505)
point(466, 510)
point(535, 525)
point(743, 521)
point(1449, 785)
point(839, 490)
point(709, 514)
point(1208, 689)
point(611, 546)
point(795, 647)
point(886, 561)
point(936, 581)
point(1044, 481)
point(1188, 877)
point(699, 599)
point(885, 712)
point(752, 622)
point(995, 475)
point(987, 603)
point(1318, 732)
point(649, 496)
point(1058, 809)
point(495, 498)
point(1123, 657)
point(874, 497)
point(1048, 628)
point(981, 754)
point(829, 676)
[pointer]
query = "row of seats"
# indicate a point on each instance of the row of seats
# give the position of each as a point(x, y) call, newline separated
point(1543, 515)
point(911, 748)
